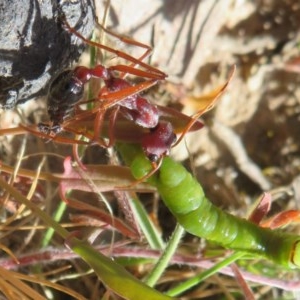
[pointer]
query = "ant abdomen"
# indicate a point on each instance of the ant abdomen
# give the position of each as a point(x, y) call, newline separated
point(65, 91)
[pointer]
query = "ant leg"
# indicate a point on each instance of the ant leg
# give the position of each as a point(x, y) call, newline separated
point(111, 128)
point(81, 114)
point(98, 124)
point(159, 75)
point(77, 158)
point(98, 120)
point(111, 98)
point(92, 138)
point(215, 95)
point(13, 131)
point(58, 139)
point(155, 167)
point(129, 41)
point(133, 71)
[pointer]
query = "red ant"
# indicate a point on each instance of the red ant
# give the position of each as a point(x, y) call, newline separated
point(66, 92)
point(118, 95)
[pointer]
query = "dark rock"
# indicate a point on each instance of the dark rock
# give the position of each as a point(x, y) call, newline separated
point(35, 46)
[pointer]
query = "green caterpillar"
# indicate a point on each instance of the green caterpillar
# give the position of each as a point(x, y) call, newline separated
point(185, 198)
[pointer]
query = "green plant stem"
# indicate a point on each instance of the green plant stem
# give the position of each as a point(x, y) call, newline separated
point(164, 260)
point(151, 233)
point(203, 275)
point(57, 217)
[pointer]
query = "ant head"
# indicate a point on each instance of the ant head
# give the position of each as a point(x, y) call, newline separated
point(46, 129)
point(153, 157)
point(158, 141)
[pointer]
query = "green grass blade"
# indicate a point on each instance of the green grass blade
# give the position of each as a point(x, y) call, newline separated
point(151, 233)
point(188, 284)
point(114, 276)
point(166, 257)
